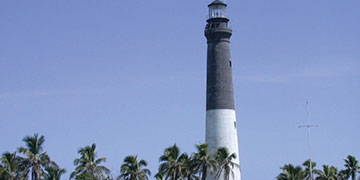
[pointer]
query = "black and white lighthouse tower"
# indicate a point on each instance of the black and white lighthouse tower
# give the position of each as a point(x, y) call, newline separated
point(221, 128)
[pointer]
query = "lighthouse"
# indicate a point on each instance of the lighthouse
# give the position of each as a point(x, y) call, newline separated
point(221, 125)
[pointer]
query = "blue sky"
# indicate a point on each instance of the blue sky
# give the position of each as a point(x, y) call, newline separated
point(130, 76)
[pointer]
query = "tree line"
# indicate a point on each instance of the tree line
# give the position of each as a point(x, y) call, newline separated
point(350, 171)
point(32, 162)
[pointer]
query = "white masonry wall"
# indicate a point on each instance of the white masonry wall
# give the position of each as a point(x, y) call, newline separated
point(221, 131)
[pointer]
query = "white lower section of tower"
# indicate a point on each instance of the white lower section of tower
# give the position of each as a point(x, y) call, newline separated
point(221, 131)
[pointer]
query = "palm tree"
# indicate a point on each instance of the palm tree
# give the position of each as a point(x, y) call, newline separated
point(11, 165)
point(2, 172)
point(343, 175)
point(328, 173)
point(291, 173)
point(88, 165)
point(109, 177)
point(352, 167)
point(86, 177)
point(225, 162)
point(159, 176)
point(171, 165)
point(204, 161)
point(188, 170)
point(53, 172)
point(132, 169)
point(35, 158)
point(307, 172)
point(23, 168)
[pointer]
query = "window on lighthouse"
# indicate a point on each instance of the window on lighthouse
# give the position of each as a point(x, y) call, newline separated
point(217, 12)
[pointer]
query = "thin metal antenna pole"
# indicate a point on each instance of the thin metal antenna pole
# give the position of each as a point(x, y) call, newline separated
point(308, 126)
point(308, 133)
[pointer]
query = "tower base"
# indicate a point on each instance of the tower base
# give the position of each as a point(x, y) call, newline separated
point(221, 131)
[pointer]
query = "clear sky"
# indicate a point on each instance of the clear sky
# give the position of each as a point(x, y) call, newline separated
point(130, 76)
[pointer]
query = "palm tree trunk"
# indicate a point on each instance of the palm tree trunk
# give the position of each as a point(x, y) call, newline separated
point(33, 177)
point(174, 175)
point(37, 175)
point(204, 174)
point(37, 172)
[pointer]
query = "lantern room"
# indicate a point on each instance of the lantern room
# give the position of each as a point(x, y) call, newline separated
point(217, 9)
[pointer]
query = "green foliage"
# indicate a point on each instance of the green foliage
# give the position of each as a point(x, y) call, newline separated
point(87, 165)
point(188, 171)
point(291, 172)
point(159, 176)
point(2, 171)
point(171, 165)
point(53, 172)
point(203, 161)
point(328, 173)
point(132, 169)
point(307, 172)
point(11, 165)
point(174, 165)
point(85, 176)
point(352, 167)
point(225, 163)
point(35, 159)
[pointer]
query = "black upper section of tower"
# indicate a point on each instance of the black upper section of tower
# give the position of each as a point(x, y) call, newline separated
point(219, 92)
